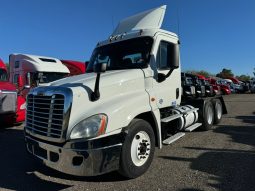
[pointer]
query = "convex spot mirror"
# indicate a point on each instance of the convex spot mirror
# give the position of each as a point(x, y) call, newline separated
point(100, 67)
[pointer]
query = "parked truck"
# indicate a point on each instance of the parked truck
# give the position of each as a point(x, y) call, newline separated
point(33, 71)
point(224, 88)
point(75, 67)
point(127, 103)
point(12, 104)
point(208, 87)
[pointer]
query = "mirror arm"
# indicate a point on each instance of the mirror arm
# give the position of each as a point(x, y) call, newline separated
point(170, 72)
point(96, 94)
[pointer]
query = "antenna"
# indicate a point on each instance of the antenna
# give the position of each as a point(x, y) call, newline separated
point(178, 20)
point(112, 23)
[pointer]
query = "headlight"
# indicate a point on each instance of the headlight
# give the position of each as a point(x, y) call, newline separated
point(23, 106)
point(90, 127)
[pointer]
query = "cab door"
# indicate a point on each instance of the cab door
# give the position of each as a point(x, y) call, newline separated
point(168, 90)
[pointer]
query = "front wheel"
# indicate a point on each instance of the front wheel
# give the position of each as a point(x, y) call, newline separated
point(137, 150)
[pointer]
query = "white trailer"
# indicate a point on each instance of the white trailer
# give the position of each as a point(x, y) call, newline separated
point(127, 103)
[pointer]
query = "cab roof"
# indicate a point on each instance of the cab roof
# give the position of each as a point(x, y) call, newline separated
point(38, 63)
point(147, 23)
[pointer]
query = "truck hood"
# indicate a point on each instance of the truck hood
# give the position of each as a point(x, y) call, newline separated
point(116, 78)
point(118, 89)
point(7, 86)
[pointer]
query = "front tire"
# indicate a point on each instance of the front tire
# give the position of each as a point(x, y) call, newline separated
point(208, 116)
point(138, 149)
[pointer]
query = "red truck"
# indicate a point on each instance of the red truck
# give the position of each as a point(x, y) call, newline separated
point(75, 67)
point(225, 89)
point(216, 88)
point(12, 105)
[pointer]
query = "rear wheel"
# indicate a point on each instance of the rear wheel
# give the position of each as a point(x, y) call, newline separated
point(137, 150)
point(208, 116)
point(217, 111)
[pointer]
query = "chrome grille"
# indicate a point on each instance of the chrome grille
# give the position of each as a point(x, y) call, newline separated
point(8, 100)
point(45, 115)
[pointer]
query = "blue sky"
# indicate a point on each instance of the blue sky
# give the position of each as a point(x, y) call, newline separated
point(214, 34)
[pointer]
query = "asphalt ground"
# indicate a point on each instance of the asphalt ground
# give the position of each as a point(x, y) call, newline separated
point(219, 159)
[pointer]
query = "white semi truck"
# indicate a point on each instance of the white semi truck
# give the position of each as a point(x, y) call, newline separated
point(127, 103)
point(33, 70)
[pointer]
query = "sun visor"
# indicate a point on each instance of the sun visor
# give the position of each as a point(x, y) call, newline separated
point(151, 19)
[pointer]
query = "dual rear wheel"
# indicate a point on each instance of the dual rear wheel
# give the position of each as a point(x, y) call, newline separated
point(212, 114)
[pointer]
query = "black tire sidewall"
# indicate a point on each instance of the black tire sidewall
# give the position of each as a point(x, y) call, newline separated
point(205, 124)
point(216, 119)
point(127, 167)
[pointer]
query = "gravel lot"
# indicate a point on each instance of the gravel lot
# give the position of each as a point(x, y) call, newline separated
point(221, 159)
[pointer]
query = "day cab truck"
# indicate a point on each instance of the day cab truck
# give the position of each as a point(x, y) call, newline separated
point(12, 104)
point(127, 103)
point(208, 87)
point(224, 88)
point(32, 71)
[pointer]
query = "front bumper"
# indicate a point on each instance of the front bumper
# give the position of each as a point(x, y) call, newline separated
point(82, 158)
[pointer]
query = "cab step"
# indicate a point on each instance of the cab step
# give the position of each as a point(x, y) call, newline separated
point(173, 138)
point(193, 127)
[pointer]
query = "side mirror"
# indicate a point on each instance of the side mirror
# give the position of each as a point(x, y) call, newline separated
point(100, 68)
point(173, 56)
point(20, 82)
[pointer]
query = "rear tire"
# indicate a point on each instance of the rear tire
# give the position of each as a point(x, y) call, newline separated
point(137, 150)
point(208, 116)
point(217, 111)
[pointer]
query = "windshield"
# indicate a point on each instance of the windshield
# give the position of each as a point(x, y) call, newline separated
point(3, 75)
point(128, 54)
point(223, 82)
point(206, 82)
point(189, 81)
point(47, 77)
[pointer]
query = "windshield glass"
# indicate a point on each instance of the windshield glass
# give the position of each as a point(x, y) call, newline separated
point(47, 77)
point(3, 75)
point(206, 82)
point(128, 54)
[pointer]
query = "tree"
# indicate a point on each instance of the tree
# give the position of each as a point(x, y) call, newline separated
point(200, 72)
point(225, 73)
point(243, 77)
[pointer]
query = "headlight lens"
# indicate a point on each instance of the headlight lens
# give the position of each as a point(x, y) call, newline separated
point(23, 106)
point(90, 127)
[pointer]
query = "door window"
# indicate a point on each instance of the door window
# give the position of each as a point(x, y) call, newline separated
point(165, 50)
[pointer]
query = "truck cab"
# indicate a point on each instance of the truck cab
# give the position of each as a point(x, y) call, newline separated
point(199, 87)
point(35, 71)
point(208, 87)
point(12, 105)
point(127, 103)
